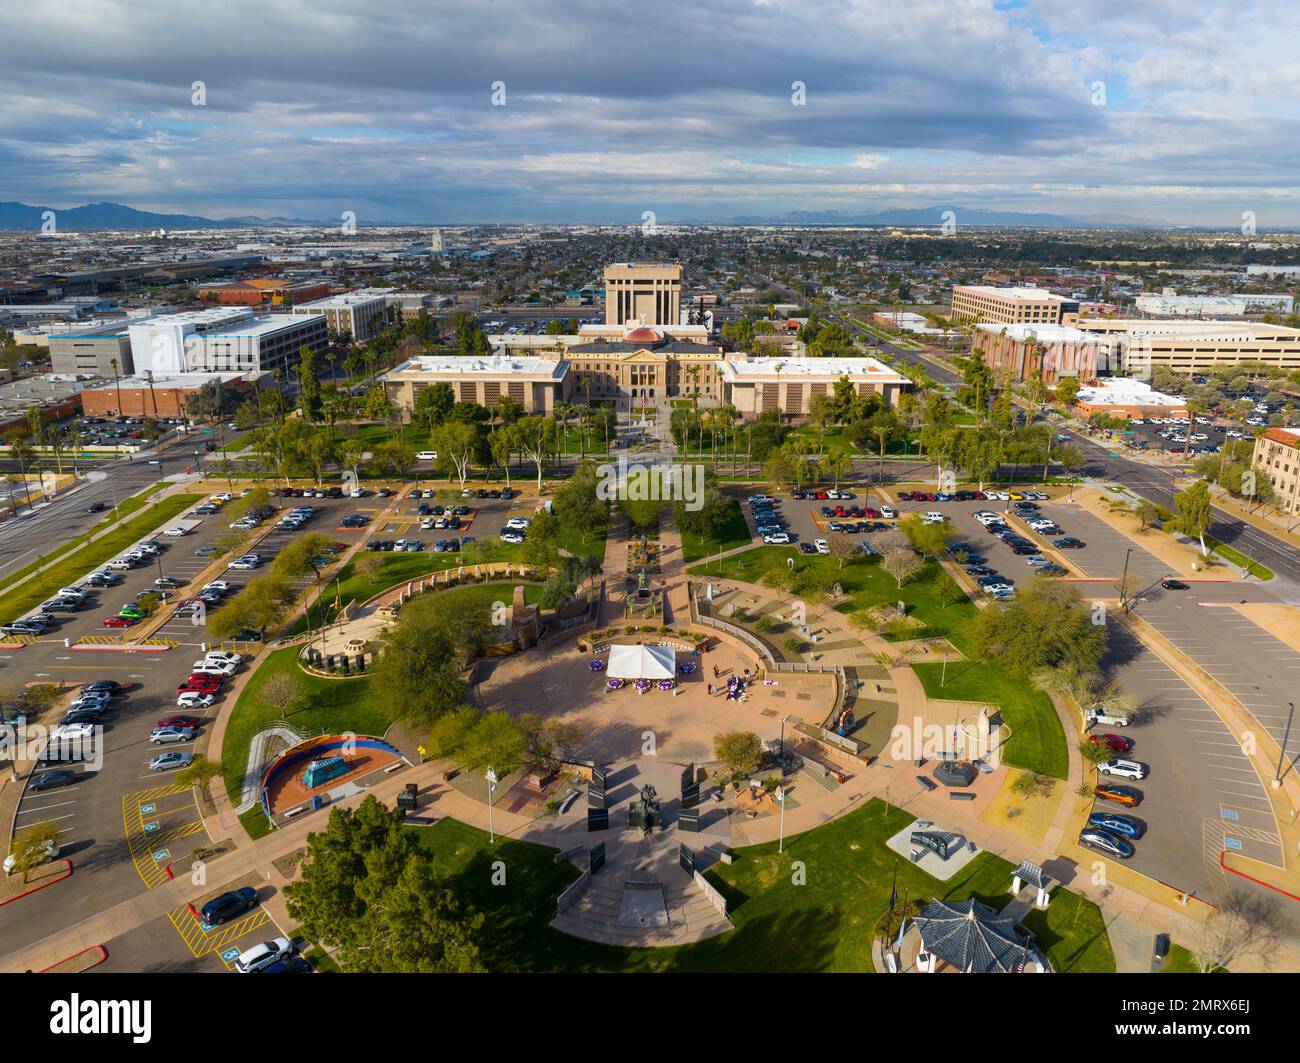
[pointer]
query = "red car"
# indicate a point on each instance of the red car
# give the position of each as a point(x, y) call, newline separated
point(181, 721)
point(119, 621)
point(1115, 743)
point(821, 496)
point(870, 514)
point(204, 679)
point(207, 685)
point(905, 496)
point(839, 511)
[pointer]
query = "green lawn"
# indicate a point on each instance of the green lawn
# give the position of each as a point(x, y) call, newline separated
point(572, 541)
point(1037, 740)
point(329, 705)
point(861, 578)
point(1073, 934)
point(823, 925)
point(77, 563)
point(350, 585)
point(1260, 572)
point(732, 534)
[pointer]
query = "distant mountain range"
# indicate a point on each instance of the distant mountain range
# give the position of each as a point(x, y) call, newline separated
point(120, 216)
point(21, 216)
point(934, 216)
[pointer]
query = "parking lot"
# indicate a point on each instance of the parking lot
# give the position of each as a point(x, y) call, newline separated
point(802, 518)
point(1202, 794)
point(121, 822)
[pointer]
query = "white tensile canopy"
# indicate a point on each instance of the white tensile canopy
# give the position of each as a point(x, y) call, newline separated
point(642, 662)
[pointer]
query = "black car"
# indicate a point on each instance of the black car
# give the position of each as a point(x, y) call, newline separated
point(51, 780)
point(96, 507)
point(1173, 585)
point(224, 908)
point(980, 570)
point(1068, 543)
point(806, 547)
point(107, 686)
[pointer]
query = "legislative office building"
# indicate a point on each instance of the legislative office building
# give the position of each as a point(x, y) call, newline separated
point(636, 367)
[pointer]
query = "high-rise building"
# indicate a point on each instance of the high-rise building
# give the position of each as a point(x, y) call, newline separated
point(645, 293)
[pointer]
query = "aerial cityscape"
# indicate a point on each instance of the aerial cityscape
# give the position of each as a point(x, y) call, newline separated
point(772, 488)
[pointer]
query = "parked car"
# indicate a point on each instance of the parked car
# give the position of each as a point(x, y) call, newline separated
point(194, 699)
point(1117, 823)
point(1119, 794)
point(1115, 743)
point(1125, 769)
point(1173, 585)
point(1103, 841)
point(263, 955)
point(170, 735)
point(52, 780)
point(171, 761)
point(1106, 717)
point(224, 908)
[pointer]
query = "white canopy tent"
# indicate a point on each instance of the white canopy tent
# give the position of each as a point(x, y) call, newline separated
point(642, 662)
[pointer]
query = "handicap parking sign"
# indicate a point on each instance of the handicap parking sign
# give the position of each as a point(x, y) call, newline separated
point(151, 826)
point(161, 855)
point(230, 955)
point(1229, 814)
point(1232, 843)
point(146, 809)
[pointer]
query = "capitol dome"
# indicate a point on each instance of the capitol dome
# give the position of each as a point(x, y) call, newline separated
point(642, 334)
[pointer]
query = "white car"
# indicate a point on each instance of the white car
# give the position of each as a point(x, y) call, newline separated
point(514, 538)
point(194, 699)
point(72, 592)
point(73, 730)
point(160, 735)
point(777, 538)
point(218, 585)
point(759, 498)
point(243, 564)
point(823, 547)
point(427, 455)
point(1106, 717)
point(207, 667)
point(887, 511)
point(263, 955)
point(1039, 523)
point(221, 657)
point(1037, 561)
point(987, 517)
point(1000, 496)
point(49, 851)
point(518, 523)
point(1125, 769)
point(222, 498)
point(357, 492)
point(933, 517)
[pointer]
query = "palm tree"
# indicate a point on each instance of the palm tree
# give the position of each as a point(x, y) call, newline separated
point(118, 383)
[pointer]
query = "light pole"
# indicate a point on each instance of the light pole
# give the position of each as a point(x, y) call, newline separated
point(1123, 582)
point(491, 778)
point(780, 800)
point(1286, 735)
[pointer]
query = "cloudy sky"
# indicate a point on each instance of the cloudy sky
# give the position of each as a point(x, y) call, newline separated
point(1173, 110)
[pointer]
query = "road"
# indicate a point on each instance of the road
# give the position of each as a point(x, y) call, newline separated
point(1144, 479)
point(47, 525)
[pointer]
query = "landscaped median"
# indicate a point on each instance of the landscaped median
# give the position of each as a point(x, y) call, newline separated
point(76, 563)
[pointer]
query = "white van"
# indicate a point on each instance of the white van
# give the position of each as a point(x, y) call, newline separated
point(933, 517)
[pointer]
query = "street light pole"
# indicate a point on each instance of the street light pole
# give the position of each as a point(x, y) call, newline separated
point(491, 777)
point(1286, 735)
point(780, 800)
point(1123, 581)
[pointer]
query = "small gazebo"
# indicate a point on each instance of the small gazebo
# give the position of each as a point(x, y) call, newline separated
point(972, 938)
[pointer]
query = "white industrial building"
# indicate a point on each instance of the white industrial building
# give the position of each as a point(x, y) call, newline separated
point(1169, 305)
point(224, 340)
